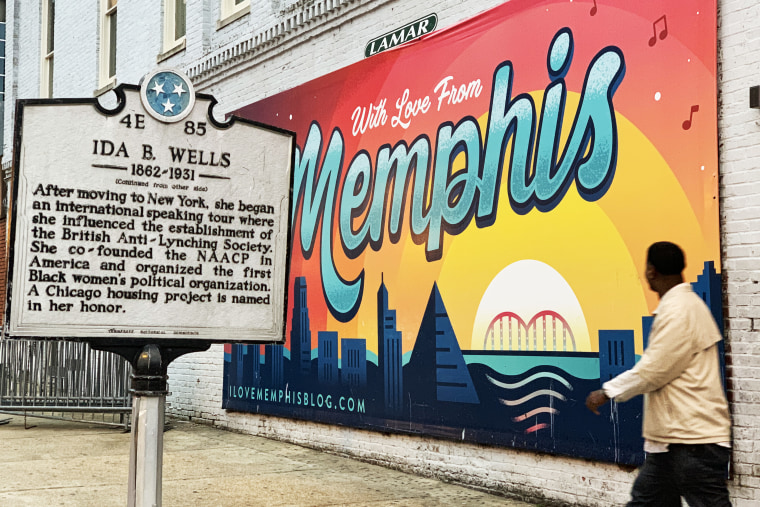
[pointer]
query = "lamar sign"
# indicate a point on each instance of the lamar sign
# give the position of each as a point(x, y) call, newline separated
point(149, 221)
point(401, 35)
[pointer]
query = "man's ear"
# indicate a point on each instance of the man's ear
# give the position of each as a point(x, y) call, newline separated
point(650, 273)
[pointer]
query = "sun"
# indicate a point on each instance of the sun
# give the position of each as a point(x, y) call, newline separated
point(529, 306)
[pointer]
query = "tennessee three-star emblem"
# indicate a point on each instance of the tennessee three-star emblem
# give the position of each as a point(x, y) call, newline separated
point(167, 95)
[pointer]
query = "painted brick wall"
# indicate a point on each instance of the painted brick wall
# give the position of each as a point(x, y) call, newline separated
point(139, 39)
point(76, 69)
point(196, 385)
point(739, 131)
point(284, 43)
point(22, 73)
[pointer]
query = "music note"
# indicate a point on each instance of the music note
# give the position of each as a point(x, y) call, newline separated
point(663, 32)
point(687, 124)
point(593, 9)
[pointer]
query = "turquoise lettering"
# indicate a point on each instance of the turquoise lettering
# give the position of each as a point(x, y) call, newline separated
point(318, 200)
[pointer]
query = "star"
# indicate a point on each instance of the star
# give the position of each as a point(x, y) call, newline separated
point(168, 106)
point(159, 88)
point(179, 90)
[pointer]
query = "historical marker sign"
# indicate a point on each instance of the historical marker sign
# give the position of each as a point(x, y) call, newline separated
point(148, 221)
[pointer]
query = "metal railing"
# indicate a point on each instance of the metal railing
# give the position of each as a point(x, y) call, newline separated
point(62, 377)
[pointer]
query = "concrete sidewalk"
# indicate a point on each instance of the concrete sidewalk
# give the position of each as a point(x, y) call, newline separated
point(59, 463)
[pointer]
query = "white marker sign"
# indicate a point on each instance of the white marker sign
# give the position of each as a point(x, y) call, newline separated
point(151, 220)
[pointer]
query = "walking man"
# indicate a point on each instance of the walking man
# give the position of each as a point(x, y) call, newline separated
point(686, 428)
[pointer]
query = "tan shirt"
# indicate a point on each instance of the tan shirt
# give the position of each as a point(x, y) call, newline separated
point(679, 375)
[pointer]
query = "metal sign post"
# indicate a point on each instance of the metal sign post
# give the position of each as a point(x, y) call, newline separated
point(147, 446)
point(150, 362)
point(146, 450)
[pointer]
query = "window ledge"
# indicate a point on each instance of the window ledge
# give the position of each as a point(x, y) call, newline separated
point(171, 52)
point(105, 88)
point(233, 17)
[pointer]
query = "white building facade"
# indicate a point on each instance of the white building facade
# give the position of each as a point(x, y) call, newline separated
point(242, 51)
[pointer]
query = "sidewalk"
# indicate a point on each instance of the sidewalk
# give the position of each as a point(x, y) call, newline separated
point(59, 463)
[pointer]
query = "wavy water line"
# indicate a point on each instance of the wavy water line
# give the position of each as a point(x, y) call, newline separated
point(542, 410)
point(540, 392)
point(530, 379)
point(535, 428)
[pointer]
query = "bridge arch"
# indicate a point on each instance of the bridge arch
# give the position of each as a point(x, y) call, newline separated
point(550, 323)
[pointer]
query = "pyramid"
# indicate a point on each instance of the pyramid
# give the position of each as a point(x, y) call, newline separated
point(437, 367)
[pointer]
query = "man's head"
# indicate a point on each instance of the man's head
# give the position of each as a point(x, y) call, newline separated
point(665, 263)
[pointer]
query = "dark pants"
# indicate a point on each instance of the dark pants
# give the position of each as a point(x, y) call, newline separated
point(695, 472)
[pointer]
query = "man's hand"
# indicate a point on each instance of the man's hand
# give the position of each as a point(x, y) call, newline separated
point(596, 399)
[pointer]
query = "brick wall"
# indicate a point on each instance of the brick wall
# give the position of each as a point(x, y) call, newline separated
point(76, 69)
point(196, 384)
point(22, 73)
point(739, 131)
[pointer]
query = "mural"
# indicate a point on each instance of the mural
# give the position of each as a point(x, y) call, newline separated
point(471, 213)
